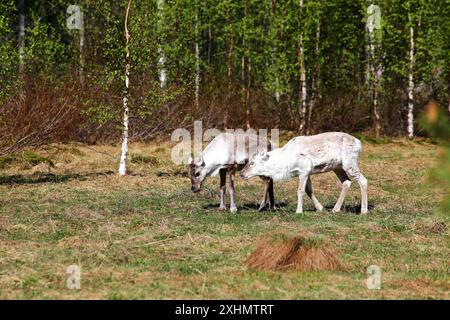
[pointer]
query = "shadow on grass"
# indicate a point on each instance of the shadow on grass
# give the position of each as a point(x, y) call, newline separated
point(246, 206)
point(49, 177)
point(351, 209)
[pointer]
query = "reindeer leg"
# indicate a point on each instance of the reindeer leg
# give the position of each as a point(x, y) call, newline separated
point(346, 183)
point(356, 174)
point(309, 192)
point(351, 168)
point(300, 192)
point(233, 207)
point(262, 205)
point(271, 195)
point(223, 186)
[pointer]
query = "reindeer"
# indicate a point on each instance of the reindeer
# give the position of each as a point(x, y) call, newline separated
point(226, 154)
point(304, 156)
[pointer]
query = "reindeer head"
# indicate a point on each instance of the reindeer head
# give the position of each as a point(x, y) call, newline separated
point(196, 172)
point(256, 166)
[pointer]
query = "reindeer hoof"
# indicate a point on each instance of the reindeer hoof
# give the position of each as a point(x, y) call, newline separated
point(223, 208)
point(364, 212)
point(233, 209)
point(263, 207)
point(321, 209)
point(299, 211)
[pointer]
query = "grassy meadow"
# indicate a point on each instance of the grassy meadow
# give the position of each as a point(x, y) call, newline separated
point(146, 236)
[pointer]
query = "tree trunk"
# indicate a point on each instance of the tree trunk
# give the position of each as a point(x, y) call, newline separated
point(448, 92)
point(272, 15)
point(82, 63)
point(411, 81)
point(374, 69)
point(229, 72)
point(197, 62)
point(123, 156)
point(314, 80)
point(244, 86)
point(375, 76)
point(243, 65)
point(162, 57)
point(209, 44)
point(248, 93)
point(302, 84)
point(22, 11)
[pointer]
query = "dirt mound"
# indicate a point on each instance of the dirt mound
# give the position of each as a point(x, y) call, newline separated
point(284, 252)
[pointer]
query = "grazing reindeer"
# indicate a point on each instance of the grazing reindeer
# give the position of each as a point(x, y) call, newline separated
point(303, 156)
point(228, 153)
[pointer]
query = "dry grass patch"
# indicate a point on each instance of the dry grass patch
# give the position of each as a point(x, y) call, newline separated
point(284, 252)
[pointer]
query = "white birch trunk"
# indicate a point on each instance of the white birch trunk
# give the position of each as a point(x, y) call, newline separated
point(248, 93)
point(229, 72)
point(411, 81)
point(272, 14)
point(82, 48)
point(21, 36)
point(375, 77)
point(124, 153)
point(245, 89)
point(302, 78)
point(162, 57)
point(374, 69)
point(277, 93)
point(197, 61)
point(209, 44)
point(315, 79)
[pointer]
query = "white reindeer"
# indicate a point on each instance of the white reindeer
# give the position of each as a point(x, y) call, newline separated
point(228, 153)
point(304, 156)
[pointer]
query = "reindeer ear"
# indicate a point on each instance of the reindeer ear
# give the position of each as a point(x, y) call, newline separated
point(190, 160)
point(263, 153)
point(199, 161)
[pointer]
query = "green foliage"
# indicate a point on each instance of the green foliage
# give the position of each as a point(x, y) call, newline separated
point(9, 55)
point(256, 40)
point(436, 122)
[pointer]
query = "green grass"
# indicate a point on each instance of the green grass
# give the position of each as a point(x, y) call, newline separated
point(146, 236)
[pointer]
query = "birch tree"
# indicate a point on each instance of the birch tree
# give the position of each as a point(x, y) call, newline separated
point(162, 56)
point(82, 41)
point(124, 154)
point(315, 76)
point(197, 58)
point(76, 21)
point(230, 35)
point(374, 66)
point(411, 84)
point(302, 82)
point(273, 25)
point(244, 51)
